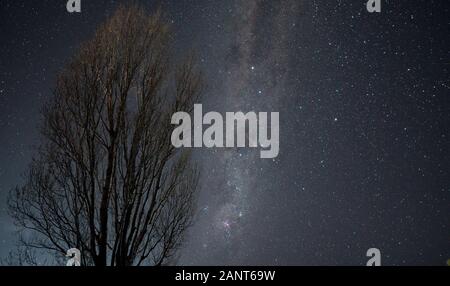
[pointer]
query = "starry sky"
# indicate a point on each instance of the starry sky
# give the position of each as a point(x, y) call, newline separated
point(364, 123)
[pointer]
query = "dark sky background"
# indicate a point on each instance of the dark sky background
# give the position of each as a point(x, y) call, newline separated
point(364, 123)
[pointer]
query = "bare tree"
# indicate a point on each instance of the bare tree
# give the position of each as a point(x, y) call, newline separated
point(106, 178)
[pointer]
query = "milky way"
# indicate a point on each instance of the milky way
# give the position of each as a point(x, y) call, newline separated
point(364, 125)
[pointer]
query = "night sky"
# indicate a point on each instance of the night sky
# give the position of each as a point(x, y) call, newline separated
point(364, 123)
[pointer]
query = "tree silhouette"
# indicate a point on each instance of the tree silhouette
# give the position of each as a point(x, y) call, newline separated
point(106, 179)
